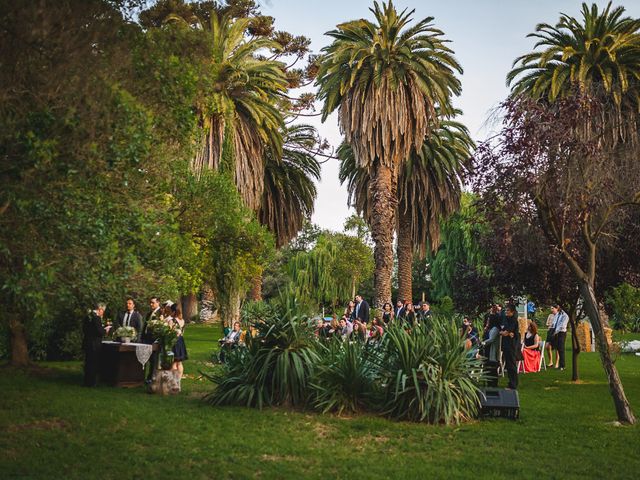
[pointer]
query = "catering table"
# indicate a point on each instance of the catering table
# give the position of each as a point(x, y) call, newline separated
point(122, 364)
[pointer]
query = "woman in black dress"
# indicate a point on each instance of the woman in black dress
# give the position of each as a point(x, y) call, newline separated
point(387, 313)
point(410, 314)
point(180, 348)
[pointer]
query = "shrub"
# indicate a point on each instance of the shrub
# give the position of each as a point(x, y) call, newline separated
point(624, 302)
point(273, 369)
point(429, 375)
point(344, 378)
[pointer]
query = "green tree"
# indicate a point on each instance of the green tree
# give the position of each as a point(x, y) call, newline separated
point(386, 79)
point(331, 271)
point(593, 63)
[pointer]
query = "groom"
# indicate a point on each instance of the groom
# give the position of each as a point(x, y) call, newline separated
point(130, 318)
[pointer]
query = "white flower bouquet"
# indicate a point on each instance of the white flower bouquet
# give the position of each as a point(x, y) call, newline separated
point(125, 333)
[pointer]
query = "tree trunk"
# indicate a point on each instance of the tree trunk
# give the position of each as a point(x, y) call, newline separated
point(256, 288)
point(623, 409)
point(575, 346)
point(405, 257)
point(383, 209)
point(189, 306)
point(233, 309)
point(19, 348)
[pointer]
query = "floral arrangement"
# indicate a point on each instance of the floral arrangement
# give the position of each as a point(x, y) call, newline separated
point(163, 333)
point(125, 332)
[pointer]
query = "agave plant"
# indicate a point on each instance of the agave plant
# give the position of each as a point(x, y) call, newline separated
point(429, 376)
point(344, 380)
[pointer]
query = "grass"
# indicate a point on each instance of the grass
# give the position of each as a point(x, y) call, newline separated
point(51, 427)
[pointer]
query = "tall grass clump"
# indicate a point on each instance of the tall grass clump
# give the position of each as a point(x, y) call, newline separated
point(273, 368)
point(428, 375)
point(344, 379)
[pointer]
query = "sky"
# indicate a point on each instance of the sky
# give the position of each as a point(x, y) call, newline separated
point(486, 35)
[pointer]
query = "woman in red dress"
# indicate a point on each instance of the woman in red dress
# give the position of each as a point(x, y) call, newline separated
point(531, 350)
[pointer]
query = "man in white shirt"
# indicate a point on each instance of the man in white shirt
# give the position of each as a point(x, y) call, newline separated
point(560, 334)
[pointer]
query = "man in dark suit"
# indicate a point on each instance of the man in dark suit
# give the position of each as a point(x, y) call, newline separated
point(146, 337)
point(130, 318)
point(399, 310)
point(425, 312)
point(362, 309)
point(510, 341)
point(93, 331)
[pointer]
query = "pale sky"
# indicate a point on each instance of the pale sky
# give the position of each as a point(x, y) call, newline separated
point(486, 35)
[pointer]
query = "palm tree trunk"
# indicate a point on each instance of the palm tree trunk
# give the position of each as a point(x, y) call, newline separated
point(256, 288)
point(383, 209)
point(405, 256)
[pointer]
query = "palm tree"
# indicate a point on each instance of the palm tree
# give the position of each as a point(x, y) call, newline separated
point(241, 118)
point(289, 190)
point(599, 54)
point(600, 57)
point(429, 189)
point(386, 79)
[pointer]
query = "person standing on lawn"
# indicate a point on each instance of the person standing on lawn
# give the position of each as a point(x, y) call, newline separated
point(155, 313)
point(510, 342)
point(93, 331)
point(130, 318)
point(550, 338)
point(560, 334)
point(362, 309)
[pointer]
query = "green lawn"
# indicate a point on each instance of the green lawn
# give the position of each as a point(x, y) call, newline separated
point(51, 427)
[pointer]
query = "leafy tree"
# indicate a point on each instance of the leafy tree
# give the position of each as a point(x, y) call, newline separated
point(88, 169)
point(333, 269)
point(587, 74)
point(458, 268)
point(386, 78)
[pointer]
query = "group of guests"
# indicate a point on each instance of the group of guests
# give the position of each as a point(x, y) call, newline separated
point(95, 329)
point(356, 324)
point(501, 338)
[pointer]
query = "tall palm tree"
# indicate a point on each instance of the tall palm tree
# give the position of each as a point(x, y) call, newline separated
point(289, 190)
point(386, 79)
point(240, 116)
point(429, 189)
point(601, 53)
point(598, 56)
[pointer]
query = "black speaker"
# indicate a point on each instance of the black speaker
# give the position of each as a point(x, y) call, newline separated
point(499, 403)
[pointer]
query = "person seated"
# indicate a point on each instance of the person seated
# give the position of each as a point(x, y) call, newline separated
point(346, 328)
point(376, 331)
point(334, 328)
point(469, 333)
point(231, 340)
point(359, 331)
point(531, 350)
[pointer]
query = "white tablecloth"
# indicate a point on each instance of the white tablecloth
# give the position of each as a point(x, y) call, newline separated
point(143, 350)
